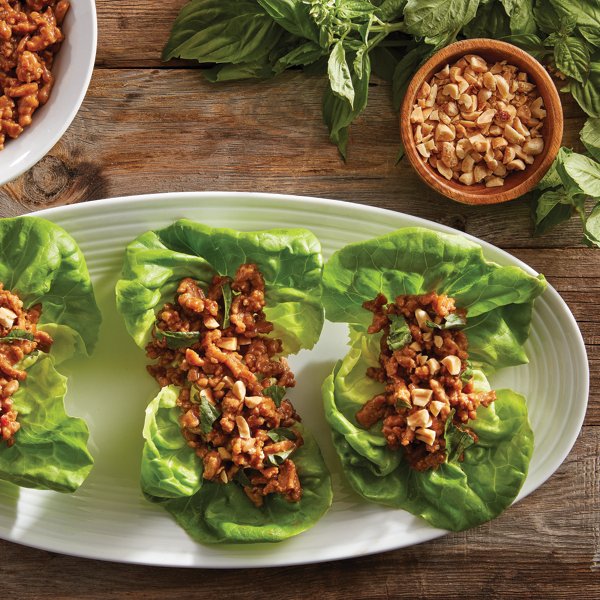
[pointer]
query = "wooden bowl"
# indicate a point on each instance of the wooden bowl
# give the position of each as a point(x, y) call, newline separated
point(517, 183)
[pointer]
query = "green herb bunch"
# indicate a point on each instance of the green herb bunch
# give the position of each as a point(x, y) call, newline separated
point(350, 39)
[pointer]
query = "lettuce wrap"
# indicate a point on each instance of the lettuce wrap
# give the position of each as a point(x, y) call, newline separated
point(171, 472)
point(41, 263)
point(477, 481)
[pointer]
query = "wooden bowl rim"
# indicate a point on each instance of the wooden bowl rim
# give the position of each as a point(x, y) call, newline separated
point(479, 194)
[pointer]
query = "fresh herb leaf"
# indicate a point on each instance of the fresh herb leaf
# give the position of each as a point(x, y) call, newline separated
point(430, 18)
point(276, 393)
point(178, 339)
point(278, 458)
point(399, 334)
point(588, 94)
point(209, 413)
point(452, 321)
point(457, 439)
point(340, 78)
point(572, 57)
point(18, 335)
point(467, 374)
point(279, 434)
point(551, 209)
point(591, 230)
point(242, 478)
point(401, 403)
point(521, 15)
point(590, 136)
point(227, 295)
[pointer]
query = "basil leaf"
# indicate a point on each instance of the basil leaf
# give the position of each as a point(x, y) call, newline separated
point(242, 478)
point(178, 339)
point(399, 334)
point(588, 94)
point(400, 403)
point(591, 229)
point(530, 43)
point(222, 31)
point(552, 208)
point(338, 71)
point(404, 71)
point(293, 16)
point(452, 321)
point(390, 9)
point(18, 335)
point(303, 55)
point(278, 458)
point(467, 374)
point(572, 58)
point(590, 136)
point(276, 393)
point(491, 21)
point(227, 294)
point(337, 112)
point(429, 18)
point(521, 15)
point(209, 413)
point(252, 70)
point(584, 172)
point(279, 434)
point(457, 440)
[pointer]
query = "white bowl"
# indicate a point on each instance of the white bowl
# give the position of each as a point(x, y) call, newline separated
point(72, 71)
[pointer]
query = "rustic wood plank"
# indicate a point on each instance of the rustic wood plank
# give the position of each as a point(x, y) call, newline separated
point(156, 130)
point(547, 546)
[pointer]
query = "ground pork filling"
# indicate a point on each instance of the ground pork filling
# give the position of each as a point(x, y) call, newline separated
point(19, 337)
point(425, 369)
point(215, 346)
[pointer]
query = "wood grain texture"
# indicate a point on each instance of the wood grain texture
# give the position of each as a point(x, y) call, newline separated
point(148, 127)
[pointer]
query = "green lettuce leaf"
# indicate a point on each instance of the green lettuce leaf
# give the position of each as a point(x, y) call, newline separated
point(291, 264)
point(50, 451)
point(457, 495)
point(289, 260)
point(213, 512)
point(42, 263)
point(416, 261)
point(499, 300)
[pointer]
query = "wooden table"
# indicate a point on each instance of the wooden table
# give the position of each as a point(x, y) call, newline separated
point(149, 127)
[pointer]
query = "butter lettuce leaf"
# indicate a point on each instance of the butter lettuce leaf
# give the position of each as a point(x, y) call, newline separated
point(214, 512)
point(42, 263)
point(499, 300)
point(289, 260)
point(50, 451)
point(415, 260)
point(171, 473)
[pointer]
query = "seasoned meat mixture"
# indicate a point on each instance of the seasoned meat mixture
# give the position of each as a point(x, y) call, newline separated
point(19, 337)
point(215, 346)
point(424, 367)
point(30, 36)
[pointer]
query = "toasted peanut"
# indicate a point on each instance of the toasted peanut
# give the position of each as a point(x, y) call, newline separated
point(455, 74)
point(425, 435)
point(239, 390)
point(520, 128)
point(417, 115)
point(534, 146)
point(444, 73)
point(228, 343)
point(433, 365)
point(489, 81)
point(224, 453)
point(451, 89)
point(435, 407)
point(465, 101)
point(479, 143)
point(479, 173)
point(422, 150)
point(449, 157)
point(463, 86)
point(537, 108)
point(494, 181)
point(483, 96)
point(502, 86)
point(253, 401)
point(422, 317)
point(243, 427)
point(418, 418)
point(451, 109)
point(420, 397)
point(416, 346)
point(516, 165)
point(432, 95)
point(467, 178)
point(513, 136)
point(452, 363)
point(509, 154)
point(486, 117)
point(438, 341)
point(467, 164)
point(499, 143)
point(210, 323)
point(7, 317)
point(477, 63)
point(500, 170)
point(424, 90)
point(462, 147)
point(443, 133)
